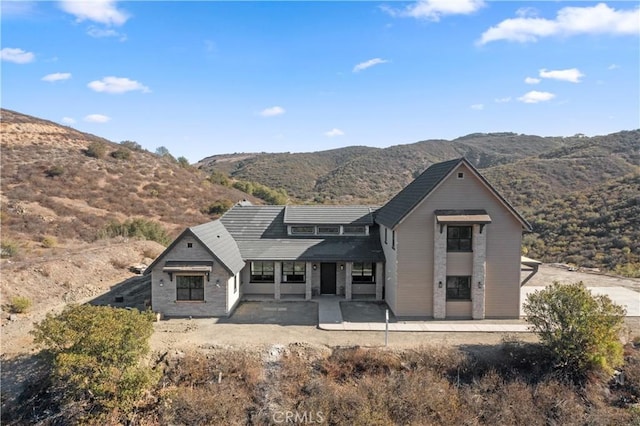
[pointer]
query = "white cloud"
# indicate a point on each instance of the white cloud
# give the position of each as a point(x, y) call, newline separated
point(532, 80)
point(503, 100)
point(534, 97)
point(334, 132)
point(101, 11)
point(117, 85)
point(598, 19)
point(368, 64)
point(57, 76)
point(17, 56)
point(97, 118)
point(68, 120)
point(96, 32)
point(433, 10)
point(572, 75)
point(477, 107)
point(613, 67)
point(272, 111)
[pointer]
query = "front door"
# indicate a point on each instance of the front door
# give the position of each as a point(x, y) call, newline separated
point(328, 278)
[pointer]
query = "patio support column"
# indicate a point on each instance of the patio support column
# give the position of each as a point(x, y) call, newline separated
point(379, 279)
point(439, 271)
point(277, 276)
point(479, 242)
point(348, 284)
point(308, 279)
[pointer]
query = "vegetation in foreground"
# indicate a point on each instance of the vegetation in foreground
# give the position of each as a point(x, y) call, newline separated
point(96, 376)
point(512, 383)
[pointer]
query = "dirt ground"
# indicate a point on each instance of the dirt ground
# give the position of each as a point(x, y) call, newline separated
point(179, 335)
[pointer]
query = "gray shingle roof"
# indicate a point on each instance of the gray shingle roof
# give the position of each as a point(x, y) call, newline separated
point(255, 222)
point(328, 215)
point(399, 206)
point(348, 249)
point(392, 213)
point(219, 241)
point(261, 234)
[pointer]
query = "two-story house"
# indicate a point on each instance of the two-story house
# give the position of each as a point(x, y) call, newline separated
point(446, 246)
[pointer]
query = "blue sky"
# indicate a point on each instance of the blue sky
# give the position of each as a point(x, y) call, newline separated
point(203, 78)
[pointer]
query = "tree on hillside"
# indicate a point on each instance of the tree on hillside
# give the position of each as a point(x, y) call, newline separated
point(581, 330)
point(96, 353)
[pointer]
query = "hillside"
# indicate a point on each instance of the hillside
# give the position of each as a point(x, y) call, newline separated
point(58, 188)
point(561, 184)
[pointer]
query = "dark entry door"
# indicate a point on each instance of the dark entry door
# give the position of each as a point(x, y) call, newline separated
point(328, 278)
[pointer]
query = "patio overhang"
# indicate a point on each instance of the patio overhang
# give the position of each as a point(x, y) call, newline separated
point(462, 217)
point(173, 266)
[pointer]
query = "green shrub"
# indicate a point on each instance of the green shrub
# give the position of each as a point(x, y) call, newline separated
point(581, 330)
point(20, 304)
point(96, 353)
point(54, 171)
point(49, 241)
point(8, 248)
point(96, 150)
point(137, 228)
point(219, 178)
point(218, 207)
point(121, 154)
point(133, 146)
point(183, 162)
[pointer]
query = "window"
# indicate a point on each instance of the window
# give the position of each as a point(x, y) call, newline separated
point(385, 235)
point(190, 287)
point(235, 283)
point(460, 175)
point(459, 238)
point(393, 240)
point(458, 288)
point(189, 245)
point(354, 229)
point(303, 230)
point(363, 272)
point(328, 229)
point(262, 272)
point(294, 272)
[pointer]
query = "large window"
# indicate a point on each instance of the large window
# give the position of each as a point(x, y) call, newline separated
point(190, 287)
point(363, 272)
point(294, 272)
point(262, 272)
point(459, 238)
point(458, 288)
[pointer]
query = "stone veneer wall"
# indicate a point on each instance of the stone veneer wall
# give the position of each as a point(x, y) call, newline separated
point(478, 277)
point(439, 272)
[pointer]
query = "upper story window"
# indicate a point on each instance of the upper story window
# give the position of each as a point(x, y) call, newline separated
point(303, 230)
point(262, 272)
point(329, 229)
point(363, 272)
point(294, 272)
point(354, 229)
point(459, 238)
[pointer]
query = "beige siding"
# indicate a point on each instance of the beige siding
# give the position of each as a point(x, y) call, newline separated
point(459, 309)
point(415, 249)
point(163, 287)
point(460, 264)
point(390, 270)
